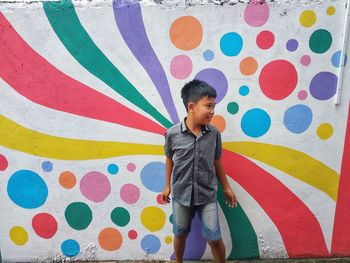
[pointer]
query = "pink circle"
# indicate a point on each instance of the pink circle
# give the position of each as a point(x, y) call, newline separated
point(3, 163)
point(256, 13)
point(305, 60)
point(130, 193)
point(159, 199)
point(132, 234)
point(302, 95)
point(131, 167)
point(265, 39)
point(181, 66)
point(95, 186)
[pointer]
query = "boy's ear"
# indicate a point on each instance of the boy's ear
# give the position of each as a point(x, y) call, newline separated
point(190, 106)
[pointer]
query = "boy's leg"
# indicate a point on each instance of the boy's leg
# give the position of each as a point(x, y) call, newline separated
point(209, 217)
point(182, 217)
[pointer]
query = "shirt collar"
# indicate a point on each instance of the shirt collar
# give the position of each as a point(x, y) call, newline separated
point(184, 128)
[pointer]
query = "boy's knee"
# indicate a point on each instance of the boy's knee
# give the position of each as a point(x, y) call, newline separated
point(215, 243)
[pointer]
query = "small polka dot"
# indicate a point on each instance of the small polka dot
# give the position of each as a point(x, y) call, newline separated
point(113, 168)
point(231, 44)
point(70, 248)
point(244, 90)
point(160, 199)
point(168, 240)
point(208, 55)
point(305, 60)
point(325, 131)
point(181, 66)
point(130, 193)
point(330, 10)
point(255, 122)
point(78, 215)
point(307, 18)
point(265, 39)
point(248, 66)
point(232, 107)
point(153, 218)
point(323, 85)
point(171, 218)
point(336, 57)
point(44, 225)
point(120, 216)
point(320, 41)
point(302, 95)
point(131, 167)
point(297, 119)
point(3, 163)
point(95, 186)
point(110, 239)
point(292, 45)
point(132, 234)
point(67, 180)
point(47, 166)
point(150, 244)
point(18, 235)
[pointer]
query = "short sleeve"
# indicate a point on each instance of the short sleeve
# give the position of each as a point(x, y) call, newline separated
point(167, 146)
point(218, 149)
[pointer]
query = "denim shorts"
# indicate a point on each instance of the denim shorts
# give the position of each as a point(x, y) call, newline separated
point(208, 215)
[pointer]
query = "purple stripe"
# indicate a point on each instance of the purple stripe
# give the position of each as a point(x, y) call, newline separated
point(129, 20)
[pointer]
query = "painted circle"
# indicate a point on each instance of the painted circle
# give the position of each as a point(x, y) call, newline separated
point(208, 55)
point(181, 66)
point(231, 44)
point(113, 168)
point(244, 90)
point(44, 225)
point(216, 79)
point(232, 107)
point(159, 199)
point(297, 118)
point(70, 248)
point(130, 193)
point(78, 215)
point(150, 244)
point(336, 59)
point(219, 122)
point(265, 39)
point(186, 32)
point(18, 235)
point(131, 167)
point(305, 60)
point(3, 163)
point(307, 18)
point(153, 176)
point(110, 239)
point(324, 131)
point(278, 79)
point(331, 10)
point(302, 95)
point(95, 186)
point(120, 216)
point(27, 189)
point(153, 218)
point(132, 234)
point(256, 13)
point(323, 85)
point(255, 122)
point(248, 66)
point(47, 166)
point(320, 41)
point(168, 240)
point(67, 179)
point(292, 45)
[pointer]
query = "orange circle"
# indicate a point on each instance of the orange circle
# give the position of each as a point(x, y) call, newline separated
point(186, 32)
point(219, 122)
point(110, 239)
point(67, 180)
point(248, 66)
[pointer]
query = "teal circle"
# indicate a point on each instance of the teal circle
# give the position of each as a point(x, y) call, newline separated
point(232, 107)
point(120, 216)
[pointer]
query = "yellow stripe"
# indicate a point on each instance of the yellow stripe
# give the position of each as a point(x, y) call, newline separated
point(292, 162)
point(17, 137)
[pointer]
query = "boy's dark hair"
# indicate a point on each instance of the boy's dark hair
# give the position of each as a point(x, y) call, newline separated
point(195, 90)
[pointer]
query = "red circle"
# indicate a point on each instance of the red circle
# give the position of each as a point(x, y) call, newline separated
point(159, 199)
point(278, 79)
point(3, 163)
point(132, 234)
point(265, 39)
point(44, 225)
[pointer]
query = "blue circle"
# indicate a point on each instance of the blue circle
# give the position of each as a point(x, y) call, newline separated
point(70, 248)
point(150, 244)
point(47, 166)
point(208, 55)
point(244, 90)
point(336, 59)
point(297, 118)
point(231, 44)
point(27, 189)
point(292, 45)
point(255, 122)
point(113, 168)
point(153, 176)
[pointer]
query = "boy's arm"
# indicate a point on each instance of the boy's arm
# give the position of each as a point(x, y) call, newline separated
point(168, 170)
point(229, 194)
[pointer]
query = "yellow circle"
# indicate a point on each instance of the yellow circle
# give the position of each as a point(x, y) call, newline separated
point(18, 235)
point(324, 131)
point(307, 18)
point(168, 239)
point(153, 218)
point(330, 10)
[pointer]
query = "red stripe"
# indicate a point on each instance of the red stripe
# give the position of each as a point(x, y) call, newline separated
point(341, 228)
point(300, 230)
point(35, 78)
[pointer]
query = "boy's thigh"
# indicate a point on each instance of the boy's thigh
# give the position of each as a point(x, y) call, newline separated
point(209, 216)
point(182, 217)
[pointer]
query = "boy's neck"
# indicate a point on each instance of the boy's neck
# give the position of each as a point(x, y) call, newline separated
point(194, 127)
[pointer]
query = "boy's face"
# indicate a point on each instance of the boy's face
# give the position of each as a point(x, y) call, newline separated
point(203, 110)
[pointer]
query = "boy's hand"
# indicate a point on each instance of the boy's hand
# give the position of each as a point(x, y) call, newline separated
point(165, 195)
point(230, 196)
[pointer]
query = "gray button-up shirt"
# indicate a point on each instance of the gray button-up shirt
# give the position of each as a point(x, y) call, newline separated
point(194, 180)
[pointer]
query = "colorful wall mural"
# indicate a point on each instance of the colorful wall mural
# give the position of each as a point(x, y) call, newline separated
point(88, 89)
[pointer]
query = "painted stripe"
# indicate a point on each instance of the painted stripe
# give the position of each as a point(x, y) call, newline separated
point(292, 162)
point(129, 20)
point(17, 137)
point(66, 24)
point(36, 79)
point(299, 228)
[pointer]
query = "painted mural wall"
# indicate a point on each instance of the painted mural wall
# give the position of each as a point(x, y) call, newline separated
point(88, 89)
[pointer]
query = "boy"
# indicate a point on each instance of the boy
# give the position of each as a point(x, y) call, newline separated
point(193, 157)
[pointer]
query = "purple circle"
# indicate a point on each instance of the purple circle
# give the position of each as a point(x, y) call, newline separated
point(95, 186)
point(215, 78)
point(292, 44)
point(323, 85)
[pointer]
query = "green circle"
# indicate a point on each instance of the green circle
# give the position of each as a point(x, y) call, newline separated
point(78, 215)
point(171, 218)
point(232, 107)
point(120, 216)
point(320, 41)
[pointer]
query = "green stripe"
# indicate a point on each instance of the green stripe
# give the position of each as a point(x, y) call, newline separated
point(66, 24)
point(244, 239)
